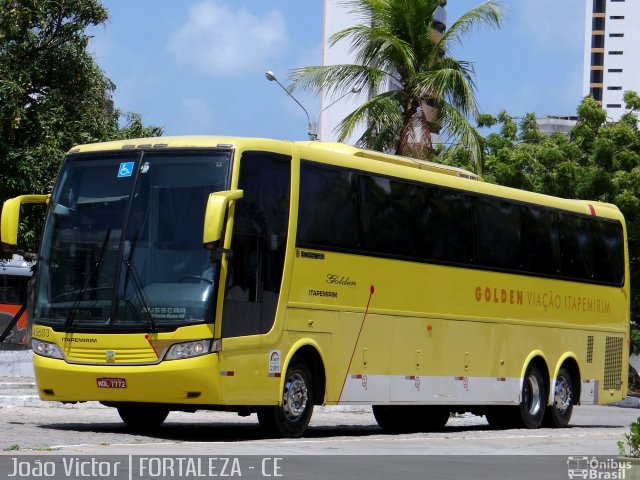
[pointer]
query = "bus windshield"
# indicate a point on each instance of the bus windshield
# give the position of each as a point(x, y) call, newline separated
point(122, 247)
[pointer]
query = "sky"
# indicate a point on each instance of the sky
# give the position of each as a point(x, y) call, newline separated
point(197, 66)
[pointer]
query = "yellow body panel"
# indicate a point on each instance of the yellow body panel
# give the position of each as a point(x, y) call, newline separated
point(385, 330)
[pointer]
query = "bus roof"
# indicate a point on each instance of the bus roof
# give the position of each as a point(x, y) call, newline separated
point(214, 141)
point(394, 159)
point(451, 176)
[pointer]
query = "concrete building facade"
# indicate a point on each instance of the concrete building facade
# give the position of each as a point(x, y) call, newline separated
point(612, 52)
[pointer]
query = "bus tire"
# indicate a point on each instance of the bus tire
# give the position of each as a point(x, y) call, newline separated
point(558, 414)
point(502, 418)
point(432, 418)
point(290, 420)
point(530, 412)
point(391, 418)
point(143, 417)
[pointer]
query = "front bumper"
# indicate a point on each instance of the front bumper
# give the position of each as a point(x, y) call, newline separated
point(191, 381)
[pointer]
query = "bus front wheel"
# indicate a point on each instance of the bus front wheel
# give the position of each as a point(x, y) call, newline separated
point(143, 417)
point(291, 419)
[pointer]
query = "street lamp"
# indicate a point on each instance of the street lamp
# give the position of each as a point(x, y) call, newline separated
point(310, 131)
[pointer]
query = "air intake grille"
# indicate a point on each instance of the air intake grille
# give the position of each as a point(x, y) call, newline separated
point(613, 364)
point(590, 349)
point(10, 295)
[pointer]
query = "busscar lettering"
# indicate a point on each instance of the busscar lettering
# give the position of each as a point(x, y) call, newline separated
point(166, 313)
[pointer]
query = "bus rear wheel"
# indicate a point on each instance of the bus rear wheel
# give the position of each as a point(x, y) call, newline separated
point(143, 417)
point(558, 414)
point(530, 412)
point(290, 419)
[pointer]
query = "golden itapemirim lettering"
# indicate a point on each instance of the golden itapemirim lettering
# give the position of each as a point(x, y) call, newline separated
point(547, 301)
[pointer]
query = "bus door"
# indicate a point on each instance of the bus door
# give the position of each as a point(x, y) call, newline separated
point(258, 244)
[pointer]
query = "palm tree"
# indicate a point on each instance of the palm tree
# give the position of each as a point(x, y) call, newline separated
point(395, 42)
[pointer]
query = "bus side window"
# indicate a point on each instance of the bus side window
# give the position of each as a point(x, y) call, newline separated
point(389, 216)
point(540, 240)
point(576, 245)
point(328, 214)
point(446, 225)
point(496, 225)
point(608, 251)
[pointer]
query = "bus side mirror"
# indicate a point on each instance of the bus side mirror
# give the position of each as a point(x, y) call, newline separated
point(215, 214)
point(11, 218)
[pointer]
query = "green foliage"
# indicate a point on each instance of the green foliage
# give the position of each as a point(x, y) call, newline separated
point(396, 43)
point(597, 161)
point(631, 446)
point(53, 95)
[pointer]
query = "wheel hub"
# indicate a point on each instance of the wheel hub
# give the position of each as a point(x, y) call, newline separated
point(532, 395)
point(562, 396)
point(294, 401)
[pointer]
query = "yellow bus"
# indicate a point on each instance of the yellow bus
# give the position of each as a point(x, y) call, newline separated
point(263, 276)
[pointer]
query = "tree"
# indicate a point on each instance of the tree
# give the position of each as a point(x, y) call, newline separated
point(53, 95)
point(395, 42)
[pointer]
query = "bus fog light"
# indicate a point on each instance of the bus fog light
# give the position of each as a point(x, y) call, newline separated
point(46, 349)
point(188, 349)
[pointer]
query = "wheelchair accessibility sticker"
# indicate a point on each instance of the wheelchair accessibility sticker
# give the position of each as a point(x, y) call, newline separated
point(126, 169)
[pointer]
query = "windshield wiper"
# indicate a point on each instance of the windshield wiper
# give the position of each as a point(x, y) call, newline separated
point(137, 286)
point(86, 284)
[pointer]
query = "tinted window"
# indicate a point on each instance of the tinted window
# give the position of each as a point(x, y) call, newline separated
point(497, 233)
point(609, 251)
point(540, 240)
point(576, 246)
point(445, 225)
point(389, 216)
point(328, 213)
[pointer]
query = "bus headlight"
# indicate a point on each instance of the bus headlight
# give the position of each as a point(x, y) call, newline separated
point(46, 349)
point(188, 349)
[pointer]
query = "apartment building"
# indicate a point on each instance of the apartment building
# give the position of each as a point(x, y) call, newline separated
point(612, 52)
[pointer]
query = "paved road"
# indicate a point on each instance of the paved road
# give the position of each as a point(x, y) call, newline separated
point(93, 429)
point(340, 443)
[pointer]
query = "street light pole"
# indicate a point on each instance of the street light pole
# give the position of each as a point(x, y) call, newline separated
point(311, 127)
point(310, 131)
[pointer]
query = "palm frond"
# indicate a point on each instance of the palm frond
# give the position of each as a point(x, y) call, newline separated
point(377, 113)
point(453, 84)
point(335, 79)
point(488, 14)
point(458, 128)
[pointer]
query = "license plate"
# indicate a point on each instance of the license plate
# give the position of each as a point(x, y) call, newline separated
point(111, 382)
